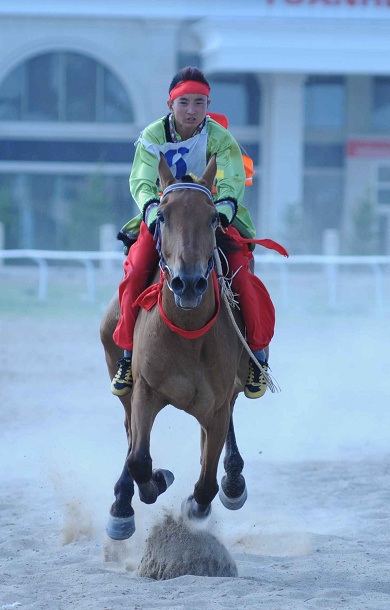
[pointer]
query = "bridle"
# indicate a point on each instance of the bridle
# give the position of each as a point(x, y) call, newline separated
point(157, 233)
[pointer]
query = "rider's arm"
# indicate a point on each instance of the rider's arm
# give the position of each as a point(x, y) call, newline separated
point(230, 174)
point(230, 181)
point(144, 173)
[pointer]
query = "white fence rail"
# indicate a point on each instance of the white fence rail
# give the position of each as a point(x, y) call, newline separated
point(330, 265)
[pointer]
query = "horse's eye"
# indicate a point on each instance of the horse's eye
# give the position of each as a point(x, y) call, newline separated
point(160, 216)
point(215, 219)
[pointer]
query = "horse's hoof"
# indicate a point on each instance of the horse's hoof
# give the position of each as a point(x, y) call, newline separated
point(233, 503)
point(120, 528)
point(159, 482)
point(192, 510)
point(163, 478)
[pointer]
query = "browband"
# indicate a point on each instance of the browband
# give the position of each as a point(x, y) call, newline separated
point(187, 185)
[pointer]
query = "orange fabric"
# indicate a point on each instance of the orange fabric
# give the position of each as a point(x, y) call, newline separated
point(249, 171)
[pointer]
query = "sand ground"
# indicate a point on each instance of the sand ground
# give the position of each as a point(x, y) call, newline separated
point(314, 532)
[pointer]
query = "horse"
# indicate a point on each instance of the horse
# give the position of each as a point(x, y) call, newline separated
point(199, 367)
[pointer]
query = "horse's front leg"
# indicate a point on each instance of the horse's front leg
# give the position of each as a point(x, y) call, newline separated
point(121, 524)
point(198, 505)
point(145, 406)
point(233, 493)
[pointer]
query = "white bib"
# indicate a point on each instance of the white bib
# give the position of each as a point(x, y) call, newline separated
point(184, 157)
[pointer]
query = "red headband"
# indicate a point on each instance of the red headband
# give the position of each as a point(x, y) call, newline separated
point(188, 86)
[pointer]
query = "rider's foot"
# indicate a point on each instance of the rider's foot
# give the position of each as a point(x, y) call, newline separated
point(123, 380)
point(256, 384)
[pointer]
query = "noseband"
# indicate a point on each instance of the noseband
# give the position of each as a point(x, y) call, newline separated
point(157, 233)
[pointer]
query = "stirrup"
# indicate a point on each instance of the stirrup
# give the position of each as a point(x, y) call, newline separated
point(256, 384)
point(123, 380)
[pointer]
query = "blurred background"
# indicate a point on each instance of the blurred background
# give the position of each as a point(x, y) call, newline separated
point(305, 86)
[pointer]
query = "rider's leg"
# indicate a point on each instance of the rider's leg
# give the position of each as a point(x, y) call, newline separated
point(140, 263)
point(258, 313)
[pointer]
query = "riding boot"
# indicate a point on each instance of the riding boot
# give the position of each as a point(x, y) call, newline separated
point(123, 380)
point(256, 384)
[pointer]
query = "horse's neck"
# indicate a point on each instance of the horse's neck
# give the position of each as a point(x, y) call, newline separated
point(193, 319)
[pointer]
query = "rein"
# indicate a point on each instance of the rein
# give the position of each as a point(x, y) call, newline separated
point(157, 233)
point(153, 294)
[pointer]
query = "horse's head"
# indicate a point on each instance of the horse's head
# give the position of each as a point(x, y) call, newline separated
point(186, 224)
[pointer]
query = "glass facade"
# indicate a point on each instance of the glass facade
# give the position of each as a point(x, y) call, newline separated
point(46, 209)
point(238, 96)
point(66, 87)
point(380, 115)
point(325, 102)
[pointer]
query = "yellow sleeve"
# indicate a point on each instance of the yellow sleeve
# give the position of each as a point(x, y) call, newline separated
point(144, 173)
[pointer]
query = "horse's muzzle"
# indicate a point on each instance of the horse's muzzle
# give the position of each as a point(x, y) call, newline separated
point(188, 290)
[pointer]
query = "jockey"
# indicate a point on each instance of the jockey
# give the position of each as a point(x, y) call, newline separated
point(188, 138)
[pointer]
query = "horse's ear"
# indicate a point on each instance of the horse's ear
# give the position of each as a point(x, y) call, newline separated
point(209, 173)
point(164, 172)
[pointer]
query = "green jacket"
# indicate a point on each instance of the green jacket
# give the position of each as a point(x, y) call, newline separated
point(230, 178)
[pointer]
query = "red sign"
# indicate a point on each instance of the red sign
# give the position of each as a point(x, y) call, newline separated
point(368, 149)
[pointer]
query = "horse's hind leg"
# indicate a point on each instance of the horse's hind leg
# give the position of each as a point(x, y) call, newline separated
point(233, 492)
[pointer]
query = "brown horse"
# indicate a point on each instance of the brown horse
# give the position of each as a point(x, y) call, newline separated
point(201, 376)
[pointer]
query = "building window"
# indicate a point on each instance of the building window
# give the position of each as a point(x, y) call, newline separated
point(383, 187)
point(381, 103)
point(323, 204)
point(325, 103)
point(64, 87)
point(62, 211)
point(237, 96)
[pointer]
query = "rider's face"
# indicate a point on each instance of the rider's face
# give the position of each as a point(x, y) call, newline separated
point(189, 111)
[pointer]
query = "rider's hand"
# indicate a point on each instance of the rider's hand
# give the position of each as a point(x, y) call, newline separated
point(149, 215)
point(227, 210)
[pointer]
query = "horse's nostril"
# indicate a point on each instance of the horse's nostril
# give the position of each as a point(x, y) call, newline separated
point(177, 285)
point(201, 285)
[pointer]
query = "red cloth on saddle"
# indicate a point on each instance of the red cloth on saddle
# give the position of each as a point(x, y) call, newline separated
point(255, 302)
point(153, 294)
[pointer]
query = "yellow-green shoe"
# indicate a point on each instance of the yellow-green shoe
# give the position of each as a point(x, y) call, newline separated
point(123, 380)
point(255, 384)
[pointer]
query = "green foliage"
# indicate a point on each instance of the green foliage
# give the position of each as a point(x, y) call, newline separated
point(365, 234)
point(5, 206)
point(89, 210)
point(6, 216)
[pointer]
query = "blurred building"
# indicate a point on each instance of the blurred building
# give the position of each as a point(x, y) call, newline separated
point(305, 85)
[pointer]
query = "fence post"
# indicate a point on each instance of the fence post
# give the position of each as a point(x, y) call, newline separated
point(331, 247)
point(107, 243)
point(2, 242)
